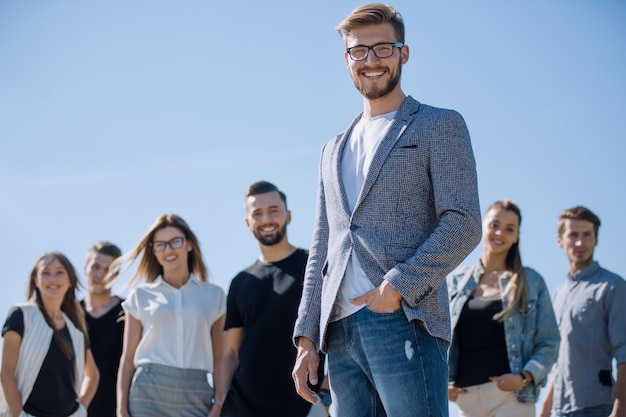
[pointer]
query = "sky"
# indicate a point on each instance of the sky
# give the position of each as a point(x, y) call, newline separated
point(112, 113)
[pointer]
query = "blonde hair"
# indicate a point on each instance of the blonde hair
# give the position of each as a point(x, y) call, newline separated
point(372, 14)
point(149, 268)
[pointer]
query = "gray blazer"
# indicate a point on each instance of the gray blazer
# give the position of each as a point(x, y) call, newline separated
point(416, 219)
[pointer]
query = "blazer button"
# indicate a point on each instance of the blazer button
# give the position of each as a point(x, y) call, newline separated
point(353, 227)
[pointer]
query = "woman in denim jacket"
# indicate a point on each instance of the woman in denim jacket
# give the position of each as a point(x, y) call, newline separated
point(505, 337)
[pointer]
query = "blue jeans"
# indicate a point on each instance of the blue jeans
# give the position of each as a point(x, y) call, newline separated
point(380, 364)
point(595, 411)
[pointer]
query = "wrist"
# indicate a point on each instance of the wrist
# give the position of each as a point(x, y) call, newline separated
point(526, 378)
point(217, 403)
point(305, 343)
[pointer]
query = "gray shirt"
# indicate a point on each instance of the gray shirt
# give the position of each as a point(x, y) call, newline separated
point(589, 309)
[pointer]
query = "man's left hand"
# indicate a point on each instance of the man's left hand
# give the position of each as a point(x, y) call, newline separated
point(383, 299)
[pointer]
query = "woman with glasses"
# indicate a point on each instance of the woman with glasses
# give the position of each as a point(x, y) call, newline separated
point(47, 366)
point(505, 337)
point(174, 326)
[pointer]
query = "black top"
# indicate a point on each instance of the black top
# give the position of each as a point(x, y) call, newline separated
point(53, 394)
point(264, 300)
point(482, 345)
point(106, 335)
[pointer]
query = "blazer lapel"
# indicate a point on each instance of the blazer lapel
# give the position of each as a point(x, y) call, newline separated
point(337, 154)
point(403, 118)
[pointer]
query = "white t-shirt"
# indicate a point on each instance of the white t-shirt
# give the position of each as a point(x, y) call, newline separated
point(176, 322)
point(355, 164)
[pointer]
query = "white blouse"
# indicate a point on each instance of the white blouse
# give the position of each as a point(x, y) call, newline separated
point(176, 322)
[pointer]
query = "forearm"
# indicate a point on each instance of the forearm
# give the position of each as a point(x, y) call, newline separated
point(11, 394)
point(88, 390)
point(619, 407)
point(91, 378)
point(546, 407)
point(124, 377)
point(226, 369)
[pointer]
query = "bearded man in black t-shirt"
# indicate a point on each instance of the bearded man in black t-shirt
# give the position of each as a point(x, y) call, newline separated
point(262, 307)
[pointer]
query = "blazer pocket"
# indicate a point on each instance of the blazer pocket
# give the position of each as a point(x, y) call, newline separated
point(400, 253)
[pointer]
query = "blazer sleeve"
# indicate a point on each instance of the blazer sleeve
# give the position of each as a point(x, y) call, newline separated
point(308, 321)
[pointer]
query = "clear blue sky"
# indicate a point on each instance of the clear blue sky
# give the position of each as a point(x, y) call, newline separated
point(112, 113)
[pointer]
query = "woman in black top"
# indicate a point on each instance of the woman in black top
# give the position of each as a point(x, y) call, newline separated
point(55, 380)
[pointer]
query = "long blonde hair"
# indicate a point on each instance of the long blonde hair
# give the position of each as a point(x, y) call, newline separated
point(149, 268)
point(517, 289)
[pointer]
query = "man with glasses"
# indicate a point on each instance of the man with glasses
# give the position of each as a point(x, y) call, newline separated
point(105, 322)
point(397, 211)
point(261, 308)
point(589, 308)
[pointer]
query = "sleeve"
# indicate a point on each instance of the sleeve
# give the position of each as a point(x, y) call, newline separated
point(233, 316)
point(131, 304)
point(14, 321)
point(616, 315)
point(455, 193)
point(309, 311)
point(547, 338)
point(221, 305)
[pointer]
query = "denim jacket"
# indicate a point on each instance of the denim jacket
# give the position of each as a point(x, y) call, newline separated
point(532, 338)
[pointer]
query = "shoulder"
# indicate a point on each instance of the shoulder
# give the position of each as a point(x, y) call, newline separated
point(412, 106)
point(211, 288)
point(611, 277)
point(532, 276)
point(301, 255)
point(455, 277)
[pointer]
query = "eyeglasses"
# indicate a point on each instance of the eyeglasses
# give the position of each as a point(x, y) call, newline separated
point(381, 50)
point(175, 243)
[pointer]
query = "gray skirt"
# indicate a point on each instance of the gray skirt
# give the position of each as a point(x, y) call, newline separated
point(165, 391)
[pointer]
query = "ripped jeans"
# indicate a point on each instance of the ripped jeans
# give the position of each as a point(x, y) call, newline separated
point(380, 364)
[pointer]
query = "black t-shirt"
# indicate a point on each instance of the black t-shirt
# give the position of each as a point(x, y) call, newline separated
point(53, 394)
point(264, 300)
point(482, 344)
point(106, 335)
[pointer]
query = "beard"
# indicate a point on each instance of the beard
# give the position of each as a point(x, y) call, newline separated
point(271, 240)
point(376, 93)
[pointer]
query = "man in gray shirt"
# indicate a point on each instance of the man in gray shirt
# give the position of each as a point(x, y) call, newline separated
point(589, 308)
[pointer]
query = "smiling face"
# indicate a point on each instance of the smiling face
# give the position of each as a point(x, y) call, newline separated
point(375, 77)
point(578, 239)
point(52, 279)
point(500, 230)
point(267, 217)
point(95, 270)
point(171, 258)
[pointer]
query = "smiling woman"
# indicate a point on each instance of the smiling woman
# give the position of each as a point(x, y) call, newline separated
point(505, 337)
point(47, 366)
point(174, 327)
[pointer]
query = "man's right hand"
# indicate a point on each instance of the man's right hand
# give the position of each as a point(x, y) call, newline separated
point(305, 369)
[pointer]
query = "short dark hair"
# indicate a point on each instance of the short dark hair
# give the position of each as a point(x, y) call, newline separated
point(372, 14)
point(262, 187)
point(105, 248)
point(578, 213)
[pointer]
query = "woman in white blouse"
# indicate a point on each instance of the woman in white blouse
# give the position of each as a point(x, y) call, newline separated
point(174, 326)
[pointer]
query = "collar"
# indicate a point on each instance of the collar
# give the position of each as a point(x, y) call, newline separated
point(159, 281)
point(586, 272)
point(480, 269)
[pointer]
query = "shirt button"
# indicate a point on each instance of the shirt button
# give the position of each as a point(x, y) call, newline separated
point(353, 227)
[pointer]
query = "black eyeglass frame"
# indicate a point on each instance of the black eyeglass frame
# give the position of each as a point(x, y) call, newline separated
point(371, 48)
point(156, 245)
